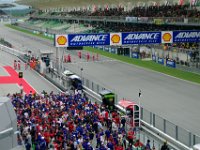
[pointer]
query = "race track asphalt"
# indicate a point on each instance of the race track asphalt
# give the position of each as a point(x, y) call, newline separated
point(175, 100)
point(33, 78)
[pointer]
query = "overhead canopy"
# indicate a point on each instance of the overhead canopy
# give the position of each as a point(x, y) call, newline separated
point(105, 92)
point(126, 103)
point(68, 73)
point(74, 77)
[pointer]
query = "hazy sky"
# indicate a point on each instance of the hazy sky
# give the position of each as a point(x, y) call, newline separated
point(7, 0)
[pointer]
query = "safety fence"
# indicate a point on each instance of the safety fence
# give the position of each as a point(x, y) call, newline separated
point(178, 133)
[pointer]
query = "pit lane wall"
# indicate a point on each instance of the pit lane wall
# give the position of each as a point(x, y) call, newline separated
point(8, 125)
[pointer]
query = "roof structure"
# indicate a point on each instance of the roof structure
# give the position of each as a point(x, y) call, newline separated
point(86, 3)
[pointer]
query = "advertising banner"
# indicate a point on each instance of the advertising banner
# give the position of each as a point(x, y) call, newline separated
point(131, 19)
point(88, 39)
point(61, 40)
point(143, 19)
point(167, 37)
point(158, 21)
point(129, 38)
point(141, 38)
point(186, 36)
point(171, 63)
point(161, 61)
point(135, 55)
point(115, 38)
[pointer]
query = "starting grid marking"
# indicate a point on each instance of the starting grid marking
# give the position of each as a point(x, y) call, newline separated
point(13, 78)
point(98, 61)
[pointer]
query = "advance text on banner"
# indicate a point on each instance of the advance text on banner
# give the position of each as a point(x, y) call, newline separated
point(88, 39)
point(141, 38)
point(186, 36)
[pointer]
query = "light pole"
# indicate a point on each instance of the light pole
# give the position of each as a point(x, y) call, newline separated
point(140, 94)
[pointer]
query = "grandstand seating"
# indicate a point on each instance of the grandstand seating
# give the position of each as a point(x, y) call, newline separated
point(68, 27)
point(151, 11)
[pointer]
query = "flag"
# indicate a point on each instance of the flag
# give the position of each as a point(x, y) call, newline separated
point(107, 7)
point(193, 2)
point(166, 3)
point(129, 6)
point(155, 4)
point(89, 8)
point(94, 8)
point(181, 2)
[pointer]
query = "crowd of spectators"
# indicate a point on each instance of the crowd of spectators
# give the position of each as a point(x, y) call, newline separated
point(142, 11)
point(69, 121)
point(191, 46)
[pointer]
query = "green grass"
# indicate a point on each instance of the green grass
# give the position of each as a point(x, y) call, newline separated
point(189, 76)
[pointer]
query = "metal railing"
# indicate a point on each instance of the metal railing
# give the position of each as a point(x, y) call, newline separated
point(176, 132)
point(150, 20)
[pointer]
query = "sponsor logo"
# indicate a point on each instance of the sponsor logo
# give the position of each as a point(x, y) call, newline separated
point(142, 36)
point(135, 55)
point(89, 38)
point(167, 37)
point(160, 60)
point(61, 40)
point(171, 63)
point(191, 34)
point(115, 38)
